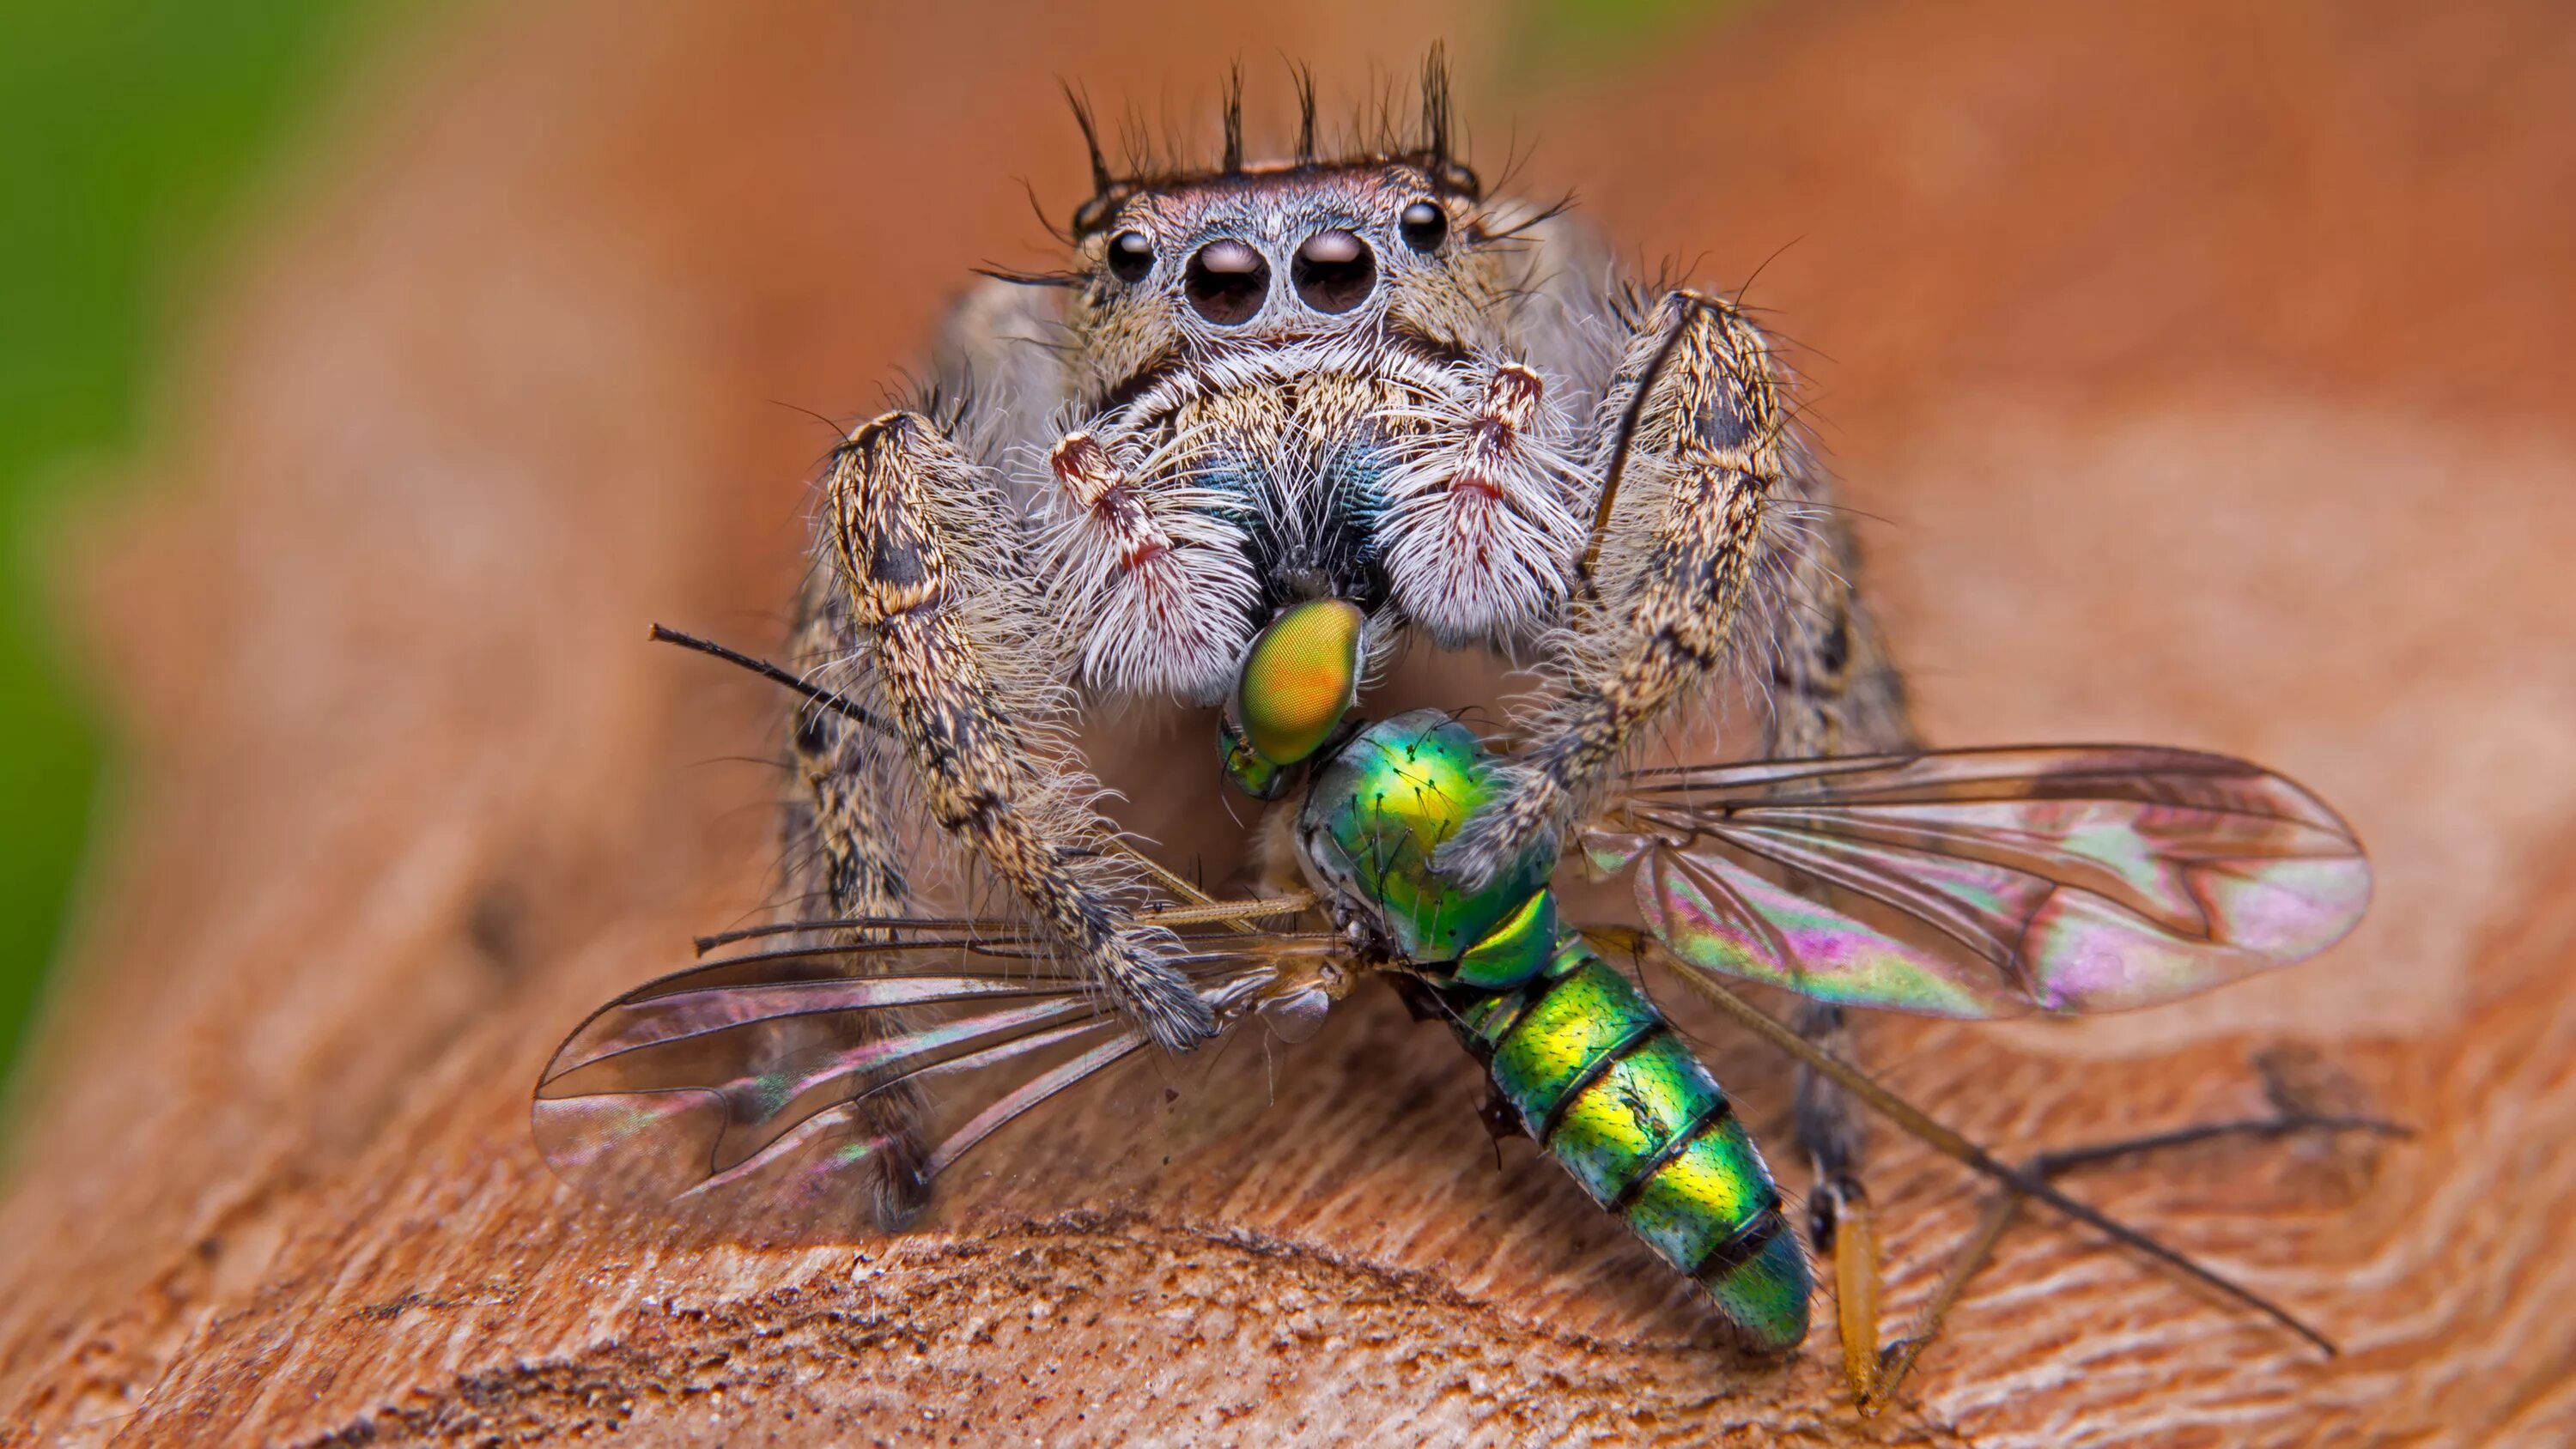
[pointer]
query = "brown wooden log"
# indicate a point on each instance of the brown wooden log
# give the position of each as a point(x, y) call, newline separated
point(2206, 366)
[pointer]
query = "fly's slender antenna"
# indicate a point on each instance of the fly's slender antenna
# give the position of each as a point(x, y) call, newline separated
point(1587, 572)
point(1214, 913)
point(1942, 1139)
point(707, 943)
point(1174, 881)
point(771, 672)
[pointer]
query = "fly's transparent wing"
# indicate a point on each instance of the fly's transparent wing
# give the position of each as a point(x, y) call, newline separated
point(1982, 883)
point(738, 1090)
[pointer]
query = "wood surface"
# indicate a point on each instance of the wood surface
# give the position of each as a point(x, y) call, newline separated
point(2203, 370)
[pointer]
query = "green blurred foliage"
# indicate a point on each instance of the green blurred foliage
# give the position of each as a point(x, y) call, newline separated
point(129, 133)
point(1554, 36)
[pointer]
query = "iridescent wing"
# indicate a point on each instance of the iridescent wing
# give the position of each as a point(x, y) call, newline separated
point(740, 1090)
point(1981, 883)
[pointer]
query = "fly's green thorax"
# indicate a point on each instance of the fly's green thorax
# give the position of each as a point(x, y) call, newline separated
point(1588, 1064)
point(1382, 805)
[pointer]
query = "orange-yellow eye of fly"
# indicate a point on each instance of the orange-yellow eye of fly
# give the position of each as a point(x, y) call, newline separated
point(1299, 679)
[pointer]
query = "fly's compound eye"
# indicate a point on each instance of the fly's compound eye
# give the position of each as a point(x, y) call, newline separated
point(1334, 271)
point(1425, 226)
point(1227, 282)
point(1299, 678)
point(1131, 256)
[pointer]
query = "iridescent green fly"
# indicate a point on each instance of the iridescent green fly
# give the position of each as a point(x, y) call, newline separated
point(1970, 883)
point(1579, 1059)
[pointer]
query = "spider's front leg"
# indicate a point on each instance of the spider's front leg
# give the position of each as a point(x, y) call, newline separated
point(844, 862)
point(946, 597)
point(1695, 457)
point(1833, 691)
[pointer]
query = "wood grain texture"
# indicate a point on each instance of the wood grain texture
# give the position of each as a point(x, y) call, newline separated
point(2205, 366)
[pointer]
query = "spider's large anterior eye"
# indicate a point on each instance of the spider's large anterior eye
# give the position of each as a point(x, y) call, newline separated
point(1333, 271)
point(1131, 256)
point(1425, 226)
point(1227, 282)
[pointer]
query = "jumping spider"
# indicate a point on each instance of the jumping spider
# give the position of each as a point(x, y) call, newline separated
point(1357, 376)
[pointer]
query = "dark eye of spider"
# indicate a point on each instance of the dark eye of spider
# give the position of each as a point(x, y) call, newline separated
point(1334, 271)
point(1131, 256)
point(1425, 226)
point(1227, 282)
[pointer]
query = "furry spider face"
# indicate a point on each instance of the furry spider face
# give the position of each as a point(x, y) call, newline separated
point(1298, 380)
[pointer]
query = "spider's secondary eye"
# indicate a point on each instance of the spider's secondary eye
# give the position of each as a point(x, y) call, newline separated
point(1227, 282)
point(1425, 226)
point(1131, 256)
point(1333, 271)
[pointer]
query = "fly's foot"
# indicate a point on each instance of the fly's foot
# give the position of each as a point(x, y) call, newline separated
point(2284, 1122)
point(2287, 1121)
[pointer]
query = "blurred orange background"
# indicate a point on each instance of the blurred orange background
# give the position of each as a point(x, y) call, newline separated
point(2203, 370)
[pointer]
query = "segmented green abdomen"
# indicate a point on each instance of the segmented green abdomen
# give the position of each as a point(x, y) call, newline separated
point(1589, 1064)
point(1605, 1086)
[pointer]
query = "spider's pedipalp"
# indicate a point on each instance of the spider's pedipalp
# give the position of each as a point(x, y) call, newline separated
point(1150, 570)
point(1479, 530)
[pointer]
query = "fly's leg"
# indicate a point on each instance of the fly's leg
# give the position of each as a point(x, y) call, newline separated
point(1890, 1368)
point(1696, 454)
point(939, 587)
point(1929, 1131)
point(1840, 1221)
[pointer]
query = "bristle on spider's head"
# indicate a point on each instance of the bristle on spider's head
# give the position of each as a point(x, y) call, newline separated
point(1377, 141)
